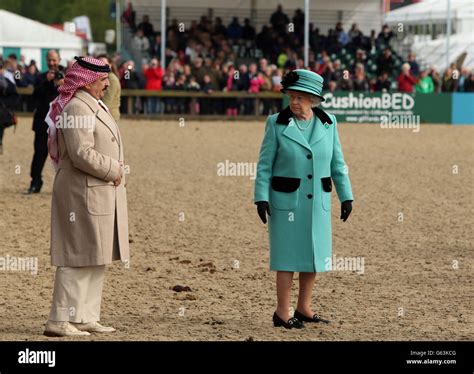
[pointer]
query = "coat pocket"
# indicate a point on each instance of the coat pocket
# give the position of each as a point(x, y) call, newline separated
point(284, 193)
point(326, 193)
point(285, 184)
point(100, 196)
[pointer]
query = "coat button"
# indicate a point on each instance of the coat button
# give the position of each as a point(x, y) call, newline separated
point(113, 139)
point(310, 176)
point(309, 157)
point(310, 196)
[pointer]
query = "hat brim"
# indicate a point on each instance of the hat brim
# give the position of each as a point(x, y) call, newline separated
point(284, 90)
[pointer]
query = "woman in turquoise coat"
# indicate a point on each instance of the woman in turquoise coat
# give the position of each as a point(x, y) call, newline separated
point(299, 159)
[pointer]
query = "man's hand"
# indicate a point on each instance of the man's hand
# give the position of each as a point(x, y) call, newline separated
point(346, 209)
point(119, 179)
point(263, 208)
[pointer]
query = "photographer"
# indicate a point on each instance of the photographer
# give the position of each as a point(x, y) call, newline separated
point(45, 91)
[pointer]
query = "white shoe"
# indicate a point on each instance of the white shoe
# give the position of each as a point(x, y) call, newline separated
point(93, 327)
point(53, 328)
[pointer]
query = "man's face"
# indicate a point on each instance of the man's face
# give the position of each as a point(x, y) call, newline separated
point(12, 64)
point(52, 59)
point(97, 88)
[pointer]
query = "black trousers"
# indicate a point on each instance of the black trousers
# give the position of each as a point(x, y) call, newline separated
point(39, 157)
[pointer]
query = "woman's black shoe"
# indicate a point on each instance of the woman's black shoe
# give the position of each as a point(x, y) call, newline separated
point(35, 188)
point(293, 323)
point(315, 318)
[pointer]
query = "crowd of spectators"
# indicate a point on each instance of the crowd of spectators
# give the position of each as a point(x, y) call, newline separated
point(206, 56)
point(209, 56)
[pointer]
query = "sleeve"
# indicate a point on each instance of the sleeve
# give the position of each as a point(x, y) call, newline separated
point(267, 156)
point(80, 147)
point(339, 169)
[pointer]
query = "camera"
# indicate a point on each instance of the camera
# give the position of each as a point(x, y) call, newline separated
point(58, 75)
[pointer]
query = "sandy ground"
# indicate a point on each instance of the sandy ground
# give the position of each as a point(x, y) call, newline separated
point(191, 227)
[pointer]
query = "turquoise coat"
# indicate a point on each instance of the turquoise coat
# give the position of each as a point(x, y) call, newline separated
point(295, 178)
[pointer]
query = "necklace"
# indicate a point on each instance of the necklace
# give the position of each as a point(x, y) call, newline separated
point(300, 127)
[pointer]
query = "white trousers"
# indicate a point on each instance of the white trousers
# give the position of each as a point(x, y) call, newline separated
point(77, 294)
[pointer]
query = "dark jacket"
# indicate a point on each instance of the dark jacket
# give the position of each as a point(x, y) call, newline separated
point(8, 95)
point(44, 93)
point(9, 99)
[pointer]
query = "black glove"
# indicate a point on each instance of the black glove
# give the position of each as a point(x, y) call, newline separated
point(346, 209)
point(262, 208)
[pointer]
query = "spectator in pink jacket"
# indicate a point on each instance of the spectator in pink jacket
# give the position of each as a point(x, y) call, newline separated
point(256, 79)
point(231, 85)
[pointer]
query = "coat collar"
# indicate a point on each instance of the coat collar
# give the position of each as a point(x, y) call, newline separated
point(104, 117)
point(285, 115)
point(88, 99)
point(285, 118)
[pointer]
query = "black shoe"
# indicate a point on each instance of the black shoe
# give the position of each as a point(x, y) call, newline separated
point(292, 323)
point(315, 318)
point(35, 188)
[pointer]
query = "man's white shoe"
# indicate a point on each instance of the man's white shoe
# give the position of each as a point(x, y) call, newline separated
point(53, 328)
point(93, 327)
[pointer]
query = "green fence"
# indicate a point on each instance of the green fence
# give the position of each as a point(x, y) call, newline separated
point(353, 107)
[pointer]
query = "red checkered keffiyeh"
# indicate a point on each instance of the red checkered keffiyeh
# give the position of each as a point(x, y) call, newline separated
point(85, 70)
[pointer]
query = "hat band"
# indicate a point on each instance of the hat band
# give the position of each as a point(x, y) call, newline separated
point(309, 87)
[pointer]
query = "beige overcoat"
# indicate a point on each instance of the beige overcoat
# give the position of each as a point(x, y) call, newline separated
point(88, 214)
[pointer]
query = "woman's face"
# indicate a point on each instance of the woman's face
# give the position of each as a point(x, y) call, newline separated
point(300, 102)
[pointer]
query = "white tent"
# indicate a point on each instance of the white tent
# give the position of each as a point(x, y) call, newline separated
point(435, 12)
point(32, 38)
point(427, 31)
point(433, 52)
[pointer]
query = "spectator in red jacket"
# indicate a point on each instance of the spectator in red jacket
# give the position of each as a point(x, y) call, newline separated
point(406, 81)
point(154, 77)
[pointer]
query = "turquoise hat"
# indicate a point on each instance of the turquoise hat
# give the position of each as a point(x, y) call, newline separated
point(303, 80)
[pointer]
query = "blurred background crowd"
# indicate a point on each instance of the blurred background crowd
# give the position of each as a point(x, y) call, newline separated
point(210, 56)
